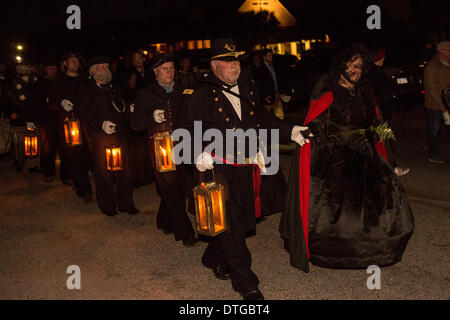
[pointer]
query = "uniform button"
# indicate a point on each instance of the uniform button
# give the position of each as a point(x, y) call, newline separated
point(252, 113)
point(227, 119)
point(253, 102)
point(214, 90)
point(216, 99)
point(239, 152)
point(220, 109)
point(234, 128)
point(251, 92)
point(258, 125)
point(170, 123)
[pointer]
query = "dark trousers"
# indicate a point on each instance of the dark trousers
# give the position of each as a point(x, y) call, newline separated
point(52, 142)
point(434, 123)
point(231, 249)
point(78, 162)
point(172, 213)
point(113, 190)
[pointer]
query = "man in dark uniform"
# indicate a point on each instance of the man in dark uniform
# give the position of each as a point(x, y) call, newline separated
point(226, 102)
point(157, 109)
point(46, 119)
point(104, 110)
point(74, 160)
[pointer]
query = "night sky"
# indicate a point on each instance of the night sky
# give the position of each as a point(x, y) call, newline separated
point(111, 26)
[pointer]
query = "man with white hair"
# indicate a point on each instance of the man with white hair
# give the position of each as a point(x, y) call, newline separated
point(225, 101)
point(105, 112)
point(437, 78)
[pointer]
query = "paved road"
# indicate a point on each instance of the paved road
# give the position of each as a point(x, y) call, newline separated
point(44, 228)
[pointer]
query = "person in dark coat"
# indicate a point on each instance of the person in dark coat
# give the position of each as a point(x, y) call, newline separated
point(268, 80)
point(141, 173)
point(41, 117)
point(226, 102)
point(143, 75)
point(102, 106)
point(75, 160)
point(157, 108)
point(383, 92)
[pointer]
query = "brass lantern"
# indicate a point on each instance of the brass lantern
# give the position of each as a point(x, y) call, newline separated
point(210, 216)
point(72, 132)
point(113, 158)
point(163, 152)
point(31, 145)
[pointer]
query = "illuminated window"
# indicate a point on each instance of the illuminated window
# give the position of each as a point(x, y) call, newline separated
point(207, 44)
point(191, 45)
point(199, 44)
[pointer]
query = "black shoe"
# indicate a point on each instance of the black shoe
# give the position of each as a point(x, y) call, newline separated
point(132, 211)
point(87, 198)
point(67, 181)
point(34, 170)
point(191, 241)
point(166, 230)
point(252, 294)
point(48, 179)
point(221, 272)
point(111, 214)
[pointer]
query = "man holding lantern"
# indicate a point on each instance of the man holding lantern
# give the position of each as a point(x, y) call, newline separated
point(102, 107)
point(225, 101)
point(157, 109)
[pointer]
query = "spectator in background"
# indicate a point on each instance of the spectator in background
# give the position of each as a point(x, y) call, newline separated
point(382, 89)
point(437, 78)
point(186, 76)
point(267, 80)
point(143, 76)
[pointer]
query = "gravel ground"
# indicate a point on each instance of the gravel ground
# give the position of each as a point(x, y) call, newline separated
point(44, 228)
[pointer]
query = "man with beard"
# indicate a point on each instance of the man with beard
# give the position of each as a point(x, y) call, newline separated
point(103, 108)
point(157, 110)
point(346, 207)
point(226, 102)
point(74, 159)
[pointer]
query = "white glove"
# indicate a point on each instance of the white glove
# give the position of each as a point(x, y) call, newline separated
point(109, 127)
point(31, 126)
point(67, 105)
point(298, 137)
point(132, 107)
point(204, 162)
point(446, 118)
point(259, 160)
point(158, 115)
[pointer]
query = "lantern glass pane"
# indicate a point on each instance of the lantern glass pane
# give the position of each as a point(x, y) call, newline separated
point(66, 133)
point(217, 208)
point(202, 210)
point(75, 132)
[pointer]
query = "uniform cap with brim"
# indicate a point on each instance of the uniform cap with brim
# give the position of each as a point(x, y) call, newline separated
point(97, 60)
point(70, 54)
point(162, 58)
point(226, 49)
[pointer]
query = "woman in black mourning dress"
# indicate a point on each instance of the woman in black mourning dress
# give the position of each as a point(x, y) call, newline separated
point(346, 207)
